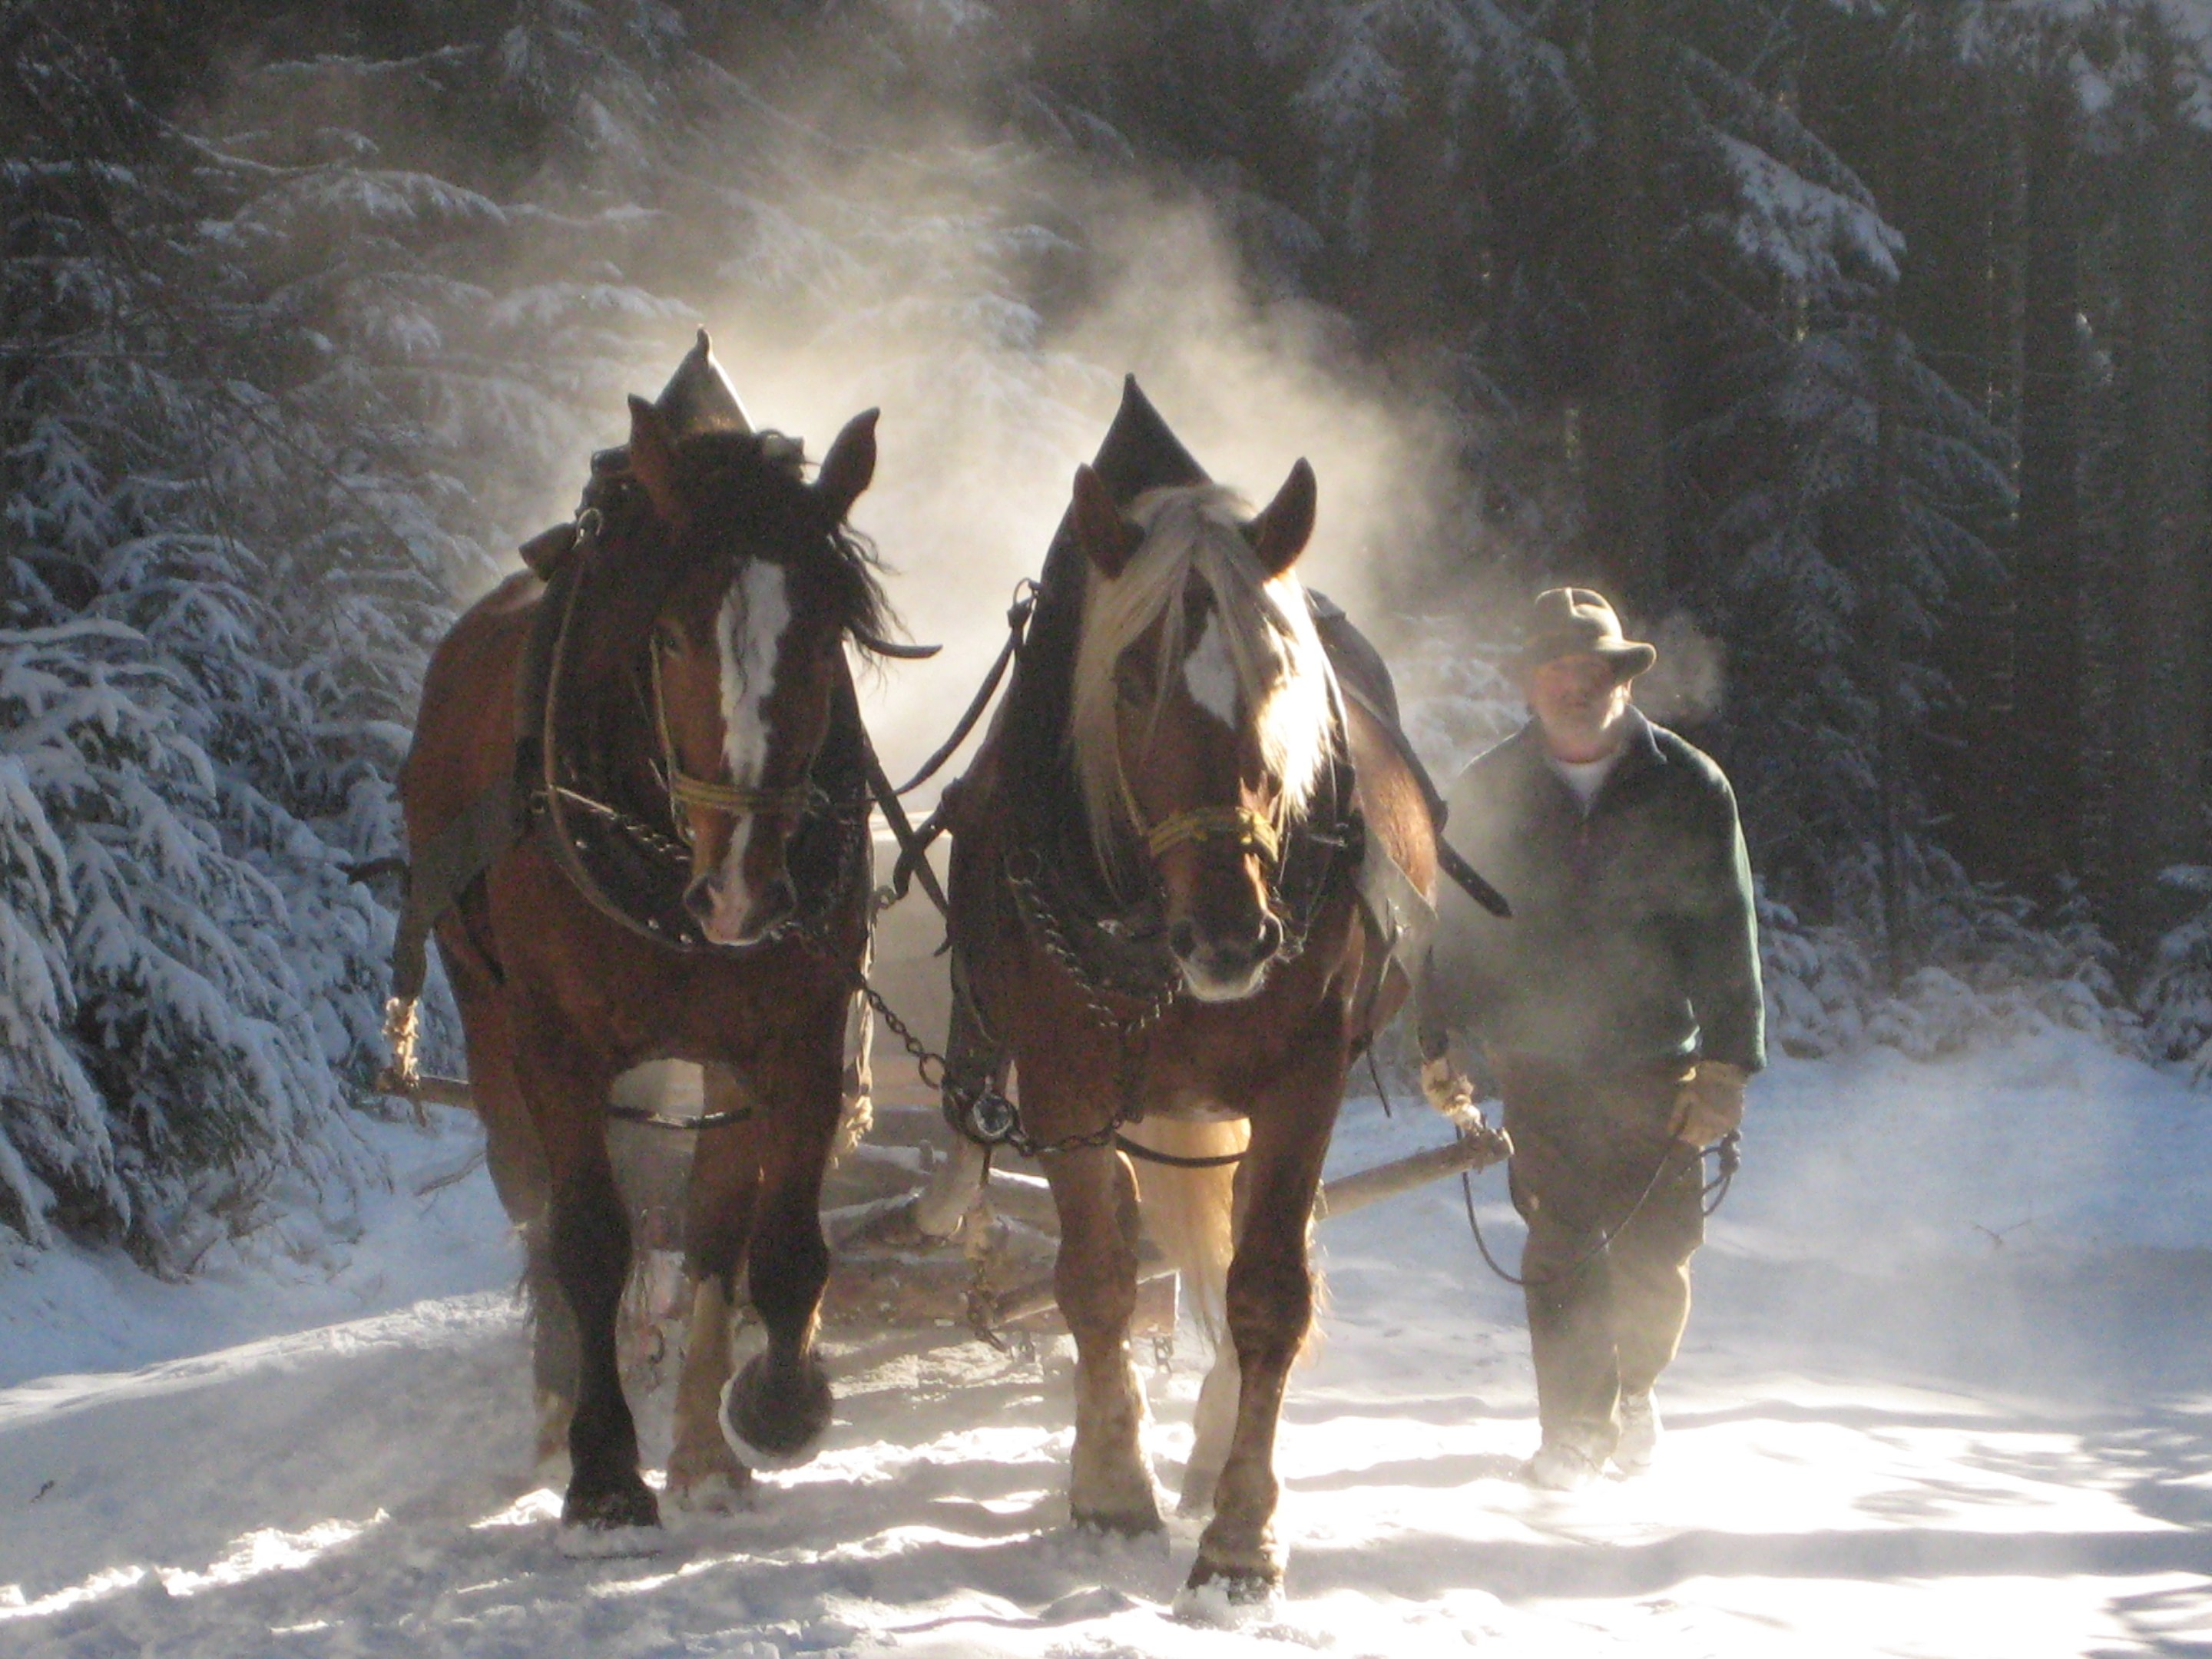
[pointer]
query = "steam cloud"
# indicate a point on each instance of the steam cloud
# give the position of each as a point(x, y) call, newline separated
point(949, 288)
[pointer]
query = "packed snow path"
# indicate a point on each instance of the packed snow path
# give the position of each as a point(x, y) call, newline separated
point(1946, 1394)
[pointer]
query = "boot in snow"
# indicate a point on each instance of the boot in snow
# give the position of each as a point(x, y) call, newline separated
point(1560, 1465)
point(1640, 1429)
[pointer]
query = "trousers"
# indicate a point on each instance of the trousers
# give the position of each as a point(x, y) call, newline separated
point(1605, 1318)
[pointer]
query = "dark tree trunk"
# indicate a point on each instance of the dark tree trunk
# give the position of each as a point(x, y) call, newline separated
point(1891, 760)
point(1624, 436)
point(2158, 811)
point(2049, 692)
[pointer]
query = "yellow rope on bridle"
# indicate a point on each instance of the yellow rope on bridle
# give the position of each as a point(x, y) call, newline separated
point(736, 800)
point(1252, 830)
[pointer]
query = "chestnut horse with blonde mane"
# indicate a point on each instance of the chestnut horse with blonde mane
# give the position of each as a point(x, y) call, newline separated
point(685, 877)
point(1157, 890)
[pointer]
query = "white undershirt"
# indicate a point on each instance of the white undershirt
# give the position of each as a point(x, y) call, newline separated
point(1585, 778)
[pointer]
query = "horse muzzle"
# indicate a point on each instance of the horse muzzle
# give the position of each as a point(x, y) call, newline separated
point(1225, 965)
point(731, 913)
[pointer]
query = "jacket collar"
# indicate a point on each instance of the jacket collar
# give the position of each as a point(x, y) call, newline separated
point(1639, 754)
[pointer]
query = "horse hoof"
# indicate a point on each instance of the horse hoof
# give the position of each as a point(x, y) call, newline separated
point(1228, 1595)
point(707, 1479)
point(610, 1543)
point(717, 1493)
point(772, 1433)
point(1139, 1523)
point(611, 1508)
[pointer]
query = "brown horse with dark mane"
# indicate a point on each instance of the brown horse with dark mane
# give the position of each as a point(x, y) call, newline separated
point(641, 778)
point(1183, 863)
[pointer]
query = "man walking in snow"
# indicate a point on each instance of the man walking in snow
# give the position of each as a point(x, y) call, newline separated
point(1618, 1010)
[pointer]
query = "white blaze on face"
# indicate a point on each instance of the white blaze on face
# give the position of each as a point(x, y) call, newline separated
point(1210, 673)
point(749, 635)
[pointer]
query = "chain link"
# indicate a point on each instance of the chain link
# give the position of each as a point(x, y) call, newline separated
point(925, 1057)
point(1131, 1031)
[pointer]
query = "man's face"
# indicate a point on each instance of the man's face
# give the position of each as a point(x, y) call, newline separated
point(1578, 701)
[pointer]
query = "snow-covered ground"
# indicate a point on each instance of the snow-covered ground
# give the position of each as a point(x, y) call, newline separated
point(1946, 1394)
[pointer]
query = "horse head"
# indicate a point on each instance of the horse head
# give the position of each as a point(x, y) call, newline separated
point(1203, 714)
point(754, 583)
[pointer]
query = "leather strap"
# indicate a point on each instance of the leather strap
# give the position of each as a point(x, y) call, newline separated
point(1017, 620)
point(733, 800)
point(1251, 830)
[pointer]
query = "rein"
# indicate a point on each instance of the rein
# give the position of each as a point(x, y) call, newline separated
point(1711, 1195)
point(1017, 622)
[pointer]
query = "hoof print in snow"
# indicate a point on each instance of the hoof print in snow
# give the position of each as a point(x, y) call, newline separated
point(773, 1419)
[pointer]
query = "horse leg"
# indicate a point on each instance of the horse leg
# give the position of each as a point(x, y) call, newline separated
point(1270, 1310)
point(1211, 1424)
point(1110, 1486)
point(517, 1162)
point(553, 1354)
point(778, 1406)
point(590, 1250)
point(703, 1473)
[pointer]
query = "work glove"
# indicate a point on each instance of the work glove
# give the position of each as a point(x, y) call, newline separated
point(1709, 1104)
point(1449, 1089)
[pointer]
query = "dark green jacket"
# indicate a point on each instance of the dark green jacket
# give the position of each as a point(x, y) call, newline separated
point(1634, 935)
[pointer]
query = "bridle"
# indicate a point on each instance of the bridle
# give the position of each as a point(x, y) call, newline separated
point(733, 800)
point(1252, 830)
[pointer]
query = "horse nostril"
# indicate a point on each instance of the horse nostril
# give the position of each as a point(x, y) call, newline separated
point(698, 899)
point(1182, 939)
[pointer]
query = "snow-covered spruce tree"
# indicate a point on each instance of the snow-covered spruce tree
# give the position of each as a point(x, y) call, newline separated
point(2176, 995)
point(188, 779)
point(1851, 489)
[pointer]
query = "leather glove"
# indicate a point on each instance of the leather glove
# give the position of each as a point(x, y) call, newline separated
point(1450, 1092)
point(1711, 1103)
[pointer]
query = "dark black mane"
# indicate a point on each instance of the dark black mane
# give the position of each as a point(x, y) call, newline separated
point(757, 480)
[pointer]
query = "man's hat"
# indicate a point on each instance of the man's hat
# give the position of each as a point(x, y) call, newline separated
point(1563, 621)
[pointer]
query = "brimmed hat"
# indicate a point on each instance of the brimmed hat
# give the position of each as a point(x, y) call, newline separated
point(1563, 621)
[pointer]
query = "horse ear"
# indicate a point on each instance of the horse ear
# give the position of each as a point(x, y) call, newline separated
point(1280, 534)
point(652, 459)
point(1108, 540)
point(849, 466)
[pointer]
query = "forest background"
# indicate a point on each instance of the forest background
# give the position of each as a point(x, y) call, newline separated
point(1861, 351)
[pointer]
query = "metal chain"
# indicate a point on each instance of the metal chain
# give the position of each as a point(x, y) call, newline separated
point(936, 1070)
point(1130, 1031)
point(924, 1056)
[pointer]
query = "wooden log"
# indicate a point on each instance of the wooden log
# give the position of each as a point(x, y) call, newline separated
point(1479, 1151)
point(438, 1091)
